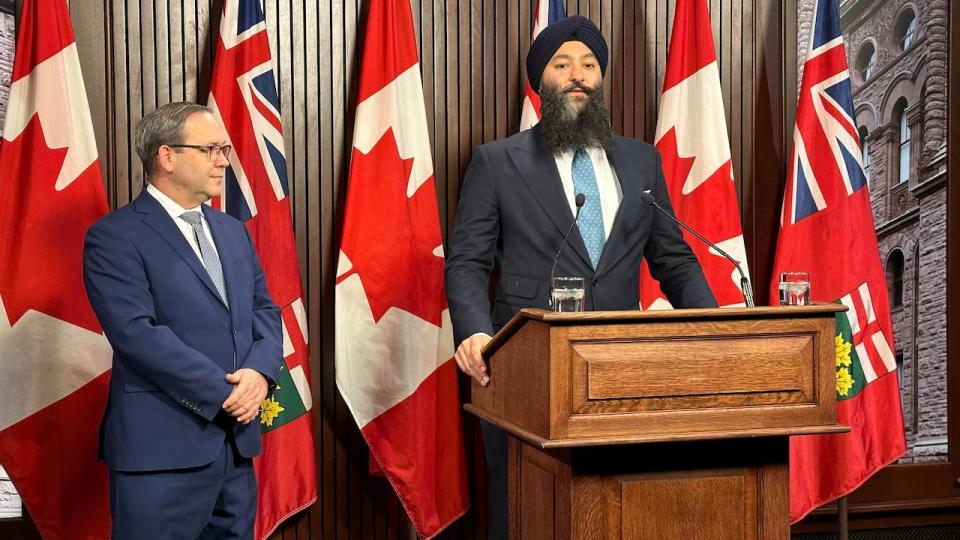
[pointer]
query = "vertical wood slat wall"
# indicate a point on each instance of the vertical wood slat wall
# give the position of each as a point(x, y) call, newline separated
point(138, 54)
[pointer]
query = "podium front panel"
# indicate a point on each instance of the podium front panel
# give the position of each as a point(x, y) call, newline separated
point(736, 490)
point(681, 377)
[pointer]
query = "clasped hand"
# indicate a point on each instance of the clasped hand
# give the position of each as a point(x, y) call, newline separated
point(249, 391)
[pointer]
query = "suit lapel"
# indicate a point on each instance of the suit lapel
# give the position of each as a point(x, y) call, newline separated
point(538, 168)
point(159, 220)
point(614, 247)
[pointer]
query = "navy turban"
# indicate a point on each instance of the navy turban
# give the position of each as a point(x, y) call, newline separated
point(552, 37)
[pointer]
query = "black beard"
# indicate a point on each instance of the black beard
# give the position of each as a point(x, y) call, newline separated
point(565, 128)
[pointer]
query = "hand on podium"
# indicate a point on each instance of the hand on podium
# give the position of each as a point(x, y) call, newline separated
point(469, 357)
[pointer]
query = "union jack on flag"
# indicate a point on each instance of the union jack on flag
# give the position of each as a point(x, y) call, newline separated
point(243, 95)
point(826, 166)
point(243, 38)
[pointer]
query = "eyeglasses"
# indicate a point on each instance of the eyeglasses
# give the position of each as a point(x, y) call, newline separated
point(213, 150)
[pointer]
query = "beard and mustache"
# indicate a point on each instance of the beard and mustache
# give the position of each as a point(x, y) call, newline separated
point(566, 125)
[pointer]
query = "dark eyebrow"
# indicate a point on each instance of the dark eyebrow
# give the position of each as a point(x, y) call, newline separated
point(569, 57)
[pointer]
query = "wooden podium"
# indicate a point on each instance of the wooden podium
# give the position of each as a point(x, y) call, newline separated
point(661, 424)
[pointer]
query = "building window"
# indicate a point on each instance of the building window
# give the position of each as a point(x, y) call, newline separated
point(906, 29)
point(864, 153)
point(866, 60)
point(903, 141)
point(895, 278)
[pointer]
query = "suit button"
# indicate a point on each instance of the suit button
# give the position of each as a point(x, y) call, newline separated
point(234, 331)
point(595, 282)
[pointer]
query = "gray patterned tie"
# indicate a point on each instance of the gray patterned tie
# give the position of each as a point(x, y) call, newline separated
point(210, 259)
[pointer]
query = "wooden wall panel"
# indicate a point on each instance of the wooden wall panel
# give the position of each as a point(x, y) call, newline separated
point(137, 54)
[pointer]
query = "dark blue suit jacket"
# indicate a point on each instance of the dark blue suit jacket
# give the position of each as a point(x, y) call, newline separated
point(513, 211)
point(173, 338)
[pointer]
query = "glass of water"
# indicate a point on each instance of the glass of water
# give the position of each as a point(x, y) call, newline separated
point(567, 293)
point(794, 289)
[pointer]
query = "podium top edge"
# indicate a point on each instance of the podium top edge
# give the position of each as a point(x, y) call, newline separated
point(692, 313)
point(583, 317)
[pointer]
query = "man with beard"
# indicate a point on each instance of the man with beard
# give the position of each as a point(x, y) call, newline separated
point(519, 198)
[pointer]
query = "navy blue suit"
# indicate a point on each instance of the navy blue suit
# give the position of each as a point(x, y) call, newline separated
point(174, 339)
point(513, 211)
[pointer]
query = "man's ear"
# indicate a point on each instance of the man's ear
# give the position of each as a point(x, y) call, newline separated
point(166, 157)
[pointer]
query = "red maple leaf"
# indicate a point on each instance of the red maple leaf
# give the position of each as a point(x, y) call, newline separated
point(390, 238)
point(676, 168)
point(703, 210)
point(42, 230)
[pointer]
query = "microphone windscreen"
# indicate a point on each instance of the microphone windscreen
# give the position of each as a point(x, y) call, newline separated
point(647, 196)
point(580, 199)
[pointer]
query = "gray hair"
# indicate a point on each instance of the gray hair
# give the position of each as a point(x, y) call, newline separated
point(163, 126)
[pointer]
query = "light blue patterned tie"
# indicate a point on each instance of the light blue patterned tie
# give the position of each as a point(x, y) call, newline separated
point(211, 261)
point(591, 216)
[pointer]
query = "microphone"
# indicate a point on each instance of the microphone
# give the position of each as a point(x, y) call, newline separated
point(744, 281)
point(579, 200)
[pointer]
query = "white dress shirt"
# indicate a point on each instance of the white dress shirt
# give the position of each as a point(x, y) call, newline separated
point(607, 184)
point(175, 210)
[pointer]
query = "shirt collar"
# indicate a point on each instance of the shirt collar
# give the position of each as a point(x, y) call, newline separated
point(596, 154)
point(168, 204)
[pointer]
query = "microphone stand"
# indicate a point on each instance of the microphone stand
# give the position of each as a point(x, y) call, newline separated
point(579, 201)
point(744, 281)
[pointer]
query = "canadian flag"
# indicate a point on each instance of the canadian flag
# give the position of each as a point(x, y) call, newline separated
point(394, 338)
point(54, 359)
point(546, 12)
point(692, 140)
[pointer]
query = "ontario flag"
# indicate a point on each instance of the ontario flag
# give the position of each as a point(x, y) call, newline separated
point(692, 141)
point(54, 359)
point(546, 12)
point(243, 95)
point(826, 229)
point(394, 338)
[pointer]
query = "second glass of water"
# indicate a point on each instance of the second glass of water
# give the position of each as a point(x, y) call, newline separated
point(567, 293)
point(794, 289)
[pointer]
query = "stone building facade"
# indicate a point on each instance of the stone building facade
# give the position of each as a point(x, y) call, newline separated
point(897, 53)
point(9, 501)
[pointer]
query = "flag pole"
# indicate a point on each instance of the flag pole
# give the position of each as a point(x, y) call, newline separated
point(842, 515)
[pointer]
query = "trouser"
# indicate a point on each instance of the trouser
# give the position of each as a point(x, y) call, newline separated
point(217, 500)
point(495, 446)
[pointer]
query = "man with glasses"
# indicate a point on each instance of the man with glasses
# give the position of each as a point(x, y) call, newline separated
point(180, 294)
